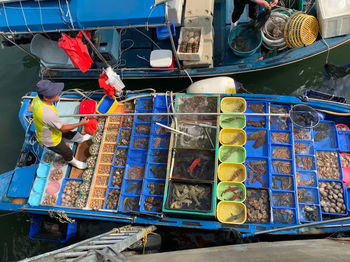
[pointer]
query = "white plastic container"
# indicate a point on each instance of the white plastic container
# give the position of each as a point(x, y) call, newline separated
point(161, 58)
point(175, 11)
point(333, 17)
point(214, 85)
point(190, 56)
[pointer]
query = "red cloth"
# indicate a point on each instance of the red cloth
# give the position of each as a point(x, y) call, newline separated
point(76, 51)
point(109, 90)
point(91, 127)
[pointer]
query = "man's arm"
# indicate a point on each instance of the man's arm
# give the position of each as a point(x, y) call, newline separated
point(69, 127)
point(262, 3)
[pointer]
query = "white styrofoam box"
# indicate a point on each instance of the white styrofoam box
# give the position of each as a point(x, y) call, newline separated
point(175, 11)
point(190, 56)
point(199, 8)
point(161, 58)
point(333, 17)
point(207, 59)
point(206, 22)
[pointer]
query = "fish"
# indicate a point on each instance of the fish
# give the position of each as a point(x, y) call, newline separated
point(235, 196)
point(228, 153)
point(259, 137)
point(236, 174)
point(234, 217)
point(194, 165)
point(229, 189)
point(230, 119)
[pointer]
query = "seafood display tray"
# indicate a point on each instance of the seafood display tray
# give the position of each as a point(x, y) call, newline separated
point(204, 206)
point(279, 122)
point(344, 140)
point(259, 176)
point(325, 136)
point(325, 197)
point(258, 205)
point(59, 200)
point(258, 141)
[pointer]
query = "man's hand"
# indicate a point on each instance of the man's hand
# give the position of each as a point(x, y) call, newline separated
point(274, 3)
point(265, 5)
point(84, 121)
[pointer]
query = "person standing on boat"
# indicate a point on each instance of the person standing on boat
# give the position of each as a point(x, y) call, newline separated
point(239, 6)
point(50, 130)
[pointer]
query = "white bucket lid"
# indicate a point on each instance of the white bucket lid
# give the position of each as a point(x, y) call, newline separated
point(161, 58)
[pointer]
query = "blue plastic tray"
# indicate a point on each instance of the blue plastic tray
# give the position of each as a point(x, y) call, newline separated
point(286, 151)
point(278, 197)
point(304, 147)
point(265, 177)
point(139, 142)
point(106, 198)
point(123, 163)
point(137, 157)
point(144, 119)
point(300, 164)
point(311, 195)
point(323, 141)
point(153, 187)
point(344, 140)
point(158, 156)
point(155, 209)
point(284, 216)
point(316, 213)
point(282, 182)
point(302, 133)
point(278, 122)
point(144, 103)
point(339, 165)
point(274, 138)
point(157, 171)
point(59, 199)
point(160, 141)
point(344, 197)
point(278, 169)
point(259, 151)
point(158, 130)
point(134, 171)
point(306, 178)
point(132, 187)
point(128, 203)
point(110, 182)
point(162, 102)
point(163, 32)
point(252, 103)
point(123, 136)
point(142, 129)
point(162, 119)
point(252, 122)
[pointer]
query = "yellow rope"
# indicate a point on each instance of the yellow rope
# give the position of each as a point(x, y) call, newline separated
point(145, 233)
point(334, 113)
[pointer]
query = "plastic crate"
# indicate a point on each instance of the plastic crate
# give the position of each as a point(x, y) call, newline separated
point(124, 136)
point(309, 213)
point(308, 195)
point(155, 207)
point(253, 146)
point(282, 166)
point(121, 170)
point(325, 138)
point(280, 137)
point(129, 203)
point(281, 198)
point(252, 180)
point(325, 182)
point(305, 162)
point(256, 121)
point(135, 171)
point(144, 119)
point(344, 140)
point(322, 161)
point(304, 147)
point(132, 187)
point(158, 156)
point(144, 103)
point(284, 216)
point(162, 102)
point(38, 232)
point(117, 161)
point(256, 107)
point(166, 120)
point(139, 142)
point(306, 178)
point(156, 171)
point(302, 133)
point(153, 187)
point(255, 195)
point(190, 56)
point(137, 157)
point(333, 18)
point(160, 141)
point(282, 182)
point(281, 151)
point(142, 129)
point(109, 190)
point(279, 122)
point(106, 105)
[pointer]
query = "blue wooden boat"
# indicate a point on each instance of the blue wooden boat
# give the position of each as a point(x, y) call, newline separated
point(142, 174)
point(127, 32)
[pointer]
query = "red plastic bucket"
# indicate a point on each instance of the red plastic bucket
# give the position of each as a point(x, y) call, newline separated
point(342, 127)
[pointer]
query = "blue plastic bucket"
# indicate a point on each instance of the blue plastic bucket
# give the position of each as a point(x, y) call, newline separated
point(251, 35)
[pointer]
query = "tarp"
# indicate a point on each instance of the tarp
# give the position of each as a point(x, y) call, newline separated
point(49, 16)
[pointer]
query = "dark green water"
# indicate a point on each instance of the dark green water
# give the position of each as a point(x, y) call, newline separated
point(19, 73)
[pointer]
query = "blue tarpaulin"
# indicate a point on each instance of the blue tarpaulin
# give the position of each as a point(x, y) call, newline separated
point(48, 16)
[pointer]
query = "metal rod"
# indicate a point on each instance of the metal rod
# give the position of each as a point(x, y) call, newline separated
point(174, 130)
point(179, 114)
point(297, 226)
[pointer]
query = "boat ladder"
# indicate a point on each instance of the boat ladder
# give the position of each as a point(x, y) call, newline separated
point(107, 245)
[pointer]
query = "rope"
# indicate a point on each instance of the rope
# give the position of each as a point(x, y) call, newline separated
point(41, 17)
point(70, 17)
point(61, 216)
point(328, 49)
point(24, 17)
point(144, 240)
point(62, 13)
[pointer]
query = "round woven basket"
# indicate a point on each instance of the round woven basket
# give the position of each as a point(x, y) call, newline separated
point(300, 30)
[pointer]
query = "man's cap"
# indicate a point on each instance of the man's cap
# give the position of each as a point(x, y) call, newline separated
point(48, 88)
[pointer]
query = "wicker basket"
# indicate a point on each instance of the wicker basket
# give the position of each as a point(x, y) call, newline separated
point(300, 30)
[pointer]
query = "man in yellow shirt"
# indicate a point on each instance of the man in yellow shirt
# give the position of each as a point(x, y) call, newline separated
point(50, 130)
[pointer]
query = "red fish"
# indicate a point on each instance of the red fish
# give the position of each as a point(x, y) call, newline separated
point(194, 165)
point(229, 189)
point(238, 194)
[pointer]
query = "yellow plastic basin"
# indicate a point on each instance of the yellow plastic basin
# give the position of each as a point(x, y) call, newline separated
point(232, 136)
point(227, 172)
point(231, 212)
point(233, 104)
